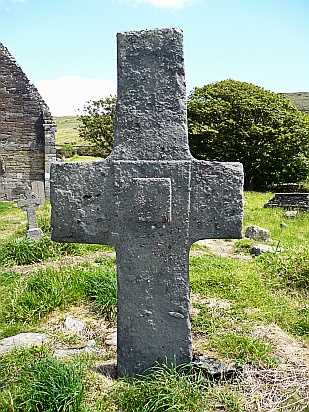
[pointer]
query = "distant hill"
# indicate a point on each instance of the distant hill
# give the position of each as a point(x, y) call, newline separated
point(301, 100)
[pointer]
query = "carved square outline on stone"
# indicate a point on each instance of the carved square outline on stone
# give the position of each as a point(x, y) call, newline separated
point(152, 199)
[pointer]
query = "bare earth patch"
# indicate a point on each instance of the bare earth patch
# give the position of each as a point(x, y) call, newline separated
point(220, 247)
point(67, 260)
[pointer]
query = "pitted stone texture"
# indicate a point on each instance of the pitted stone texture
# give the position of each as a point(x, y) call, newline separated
point(150, 200)
point(257, 233)
point(151, 116)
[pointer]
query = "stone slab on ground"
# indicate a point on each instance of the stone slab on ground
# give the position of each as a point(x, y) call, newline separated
point(22, 340)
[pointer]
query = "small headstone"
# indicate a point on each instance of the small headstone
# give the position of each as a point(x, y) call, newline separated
point(151, 200)
point(257, 233)
point(30, 202)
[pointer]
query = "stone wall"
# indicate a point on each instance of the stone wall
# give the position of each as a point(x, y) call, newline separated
point(27, 132)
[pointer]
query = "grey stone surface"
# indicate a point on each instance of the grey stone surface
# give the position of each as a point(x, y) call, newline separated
point(90, 347)
point(213, 368)
point(76, 326)
point(22, 340)
point(257, 233)
point(150, 199)
point(258, 249)
point(111, 338)
point(35, 233)
point(30, 202)
point(291, 214)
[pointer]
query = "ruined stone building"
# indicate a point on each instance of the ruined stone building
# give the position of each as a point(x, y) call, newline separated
point(27, 133)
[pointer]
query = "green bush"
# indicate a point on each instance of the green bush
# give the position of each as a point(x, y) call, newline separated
point(68, 150)
point(238, 121)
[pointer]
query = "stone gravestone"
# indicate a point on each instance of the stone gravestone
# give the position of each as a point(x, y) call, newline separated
point(30, 202)
point(150, 199)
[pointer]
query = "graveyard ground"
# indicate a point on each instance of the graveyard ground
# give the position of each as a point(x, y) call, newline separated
point(248, 312)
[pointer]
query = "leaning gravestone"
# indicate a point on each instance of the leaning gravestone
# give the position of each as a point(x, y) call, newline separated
point(151, 200)
point(30, 202)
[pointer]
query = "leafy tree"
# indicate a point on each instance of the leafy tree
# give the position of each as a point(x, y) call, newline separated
point(97, 122)
point(237, 121)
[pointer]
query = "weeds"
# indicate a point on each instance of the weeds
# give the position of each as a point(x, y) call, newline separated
point(289, 269)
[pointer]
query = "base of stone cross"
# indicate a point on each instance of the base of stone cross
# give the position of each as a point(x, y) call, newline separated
point(35, 233)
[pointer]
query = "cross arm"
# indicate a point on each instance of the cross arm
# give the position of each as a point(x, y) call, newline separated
point(216, 200)
point(82, 202)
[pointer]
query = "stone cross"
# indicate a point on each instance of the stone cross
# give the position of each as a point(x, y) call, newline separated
point(30, 202)
point(150, 199)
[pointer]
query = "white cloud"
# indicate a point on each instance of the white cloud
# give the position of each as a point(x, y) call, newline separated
point(4, 3)
point(173, 4)
point(65, 95)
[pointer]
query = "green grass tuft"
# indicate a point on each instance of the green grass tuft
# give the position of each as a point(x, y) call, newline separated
point(245, 349)
point(34, 381)
point(27, 300)
point(164, 388)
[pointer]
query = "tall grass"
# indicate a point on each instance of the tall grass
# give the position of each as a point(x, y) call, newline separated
point(29, 299)
point(24, 251)
point(33, 381)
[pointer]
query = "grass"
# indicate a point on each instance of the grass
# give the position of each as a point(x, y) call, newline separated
point(41, 383)
point(13, 220)
point(234, 299)
point(164, 388)
point(77, 158)
point(68, 131)
point(16, 249)
point(27, 300)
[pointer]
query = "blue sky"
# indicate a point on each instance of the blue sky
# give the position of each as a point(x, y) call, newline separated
point(67, 48)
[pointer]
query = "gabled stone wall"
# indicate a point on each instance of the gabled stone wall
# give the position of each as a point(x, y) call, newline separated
point(27, 132)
